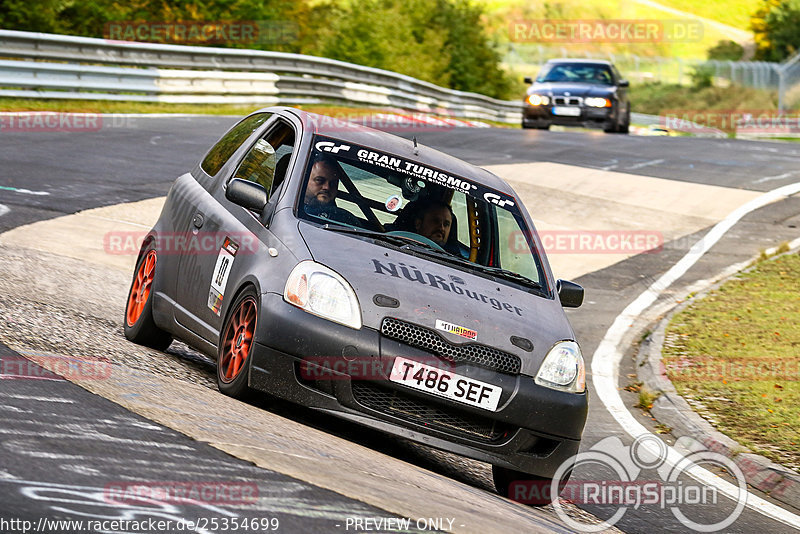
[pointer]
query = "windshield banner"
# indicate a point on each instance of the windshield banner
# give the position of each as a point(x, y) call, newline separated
point(417, 175)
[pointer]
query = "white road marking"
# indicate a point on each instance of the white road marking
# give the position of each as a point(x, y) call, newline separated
point(4, 209)
point(612, 165)
point(607, 357)
point(23, 191)
point(770, 178)
point(645, 164)
point(41, 399)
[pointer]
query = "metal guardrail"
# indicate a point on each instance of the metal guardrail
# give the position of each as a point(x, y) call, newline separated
point(61, 66)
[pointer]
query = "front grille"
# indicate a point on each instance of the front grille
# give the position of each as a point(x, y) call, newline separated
point(567, 100)
point(409, 409)
point(430, 341)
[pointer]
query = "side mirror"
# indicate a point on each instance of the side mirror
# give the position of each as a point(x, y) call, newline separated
point(247, 194)
point(528, 80)
point(570, 293)
point(623, 83)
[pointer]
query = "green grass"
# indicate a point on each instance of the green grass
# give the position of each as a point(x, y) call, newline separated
point(734, 13)
point(500, 14)
point(656, 98)
point(735, 355)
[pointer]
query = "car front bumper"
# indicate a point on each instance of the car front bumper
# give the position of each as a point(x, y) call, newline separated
point(543, 115)
point(535, 429)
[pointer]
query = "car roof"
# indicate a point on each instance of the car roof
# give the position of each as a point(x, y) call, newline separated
point(386, 142)
point(577, 60)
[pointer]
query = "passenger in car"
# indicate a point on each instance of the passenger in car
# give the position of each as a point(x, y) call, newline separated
point(321, 191)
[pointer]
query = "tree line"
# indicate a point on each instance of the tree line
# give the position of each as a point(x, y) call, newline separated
point(440, 41)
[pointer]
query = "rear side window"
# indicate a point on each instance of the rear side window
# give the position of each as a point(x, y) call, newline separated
point(225, 147)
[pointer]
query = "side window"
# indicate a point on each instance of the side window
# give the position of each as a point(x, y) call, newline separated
point(268, 159)
point(515, 254)
point(225, 147)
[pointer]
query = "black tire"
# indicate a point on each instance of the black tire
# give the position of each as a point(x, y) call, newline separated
point(525, 488)
point(626, 124)
point(138, 323)
point(527, 126)
point(236, 342)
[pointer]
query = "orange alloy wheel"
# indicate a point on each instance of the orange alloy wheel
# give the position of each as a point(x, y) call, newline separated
point(237, 340)
point(140, 290)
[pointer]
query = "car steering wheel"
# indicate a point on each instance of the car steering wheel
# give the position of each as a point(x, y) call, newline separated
point(418, 238)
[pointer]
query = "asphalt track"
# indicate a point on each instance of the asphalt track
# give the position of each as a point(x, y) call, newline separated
point(46, 175)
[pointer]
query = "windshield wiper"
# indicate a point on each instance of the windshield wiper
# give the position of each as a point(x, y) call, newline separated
point(427, 250)
point(505, 273)
point(363, 232)
point(495, 271)
point(405, 242)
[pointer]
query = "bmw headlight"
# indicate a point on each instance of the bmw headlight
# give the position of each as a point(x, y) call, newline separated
point(563, 368)
point(597, 102)
point(538, 100)
point(319, 290)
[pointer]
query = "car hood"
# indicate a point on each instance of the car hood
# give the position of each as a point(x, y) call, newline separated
point(574, 89)
point(425, 291)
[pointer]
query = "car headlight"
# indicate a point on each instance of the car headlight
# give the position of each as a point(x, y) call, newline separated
point(538, 100)
point(323, 292)
point(563, 368)
point(597, 102)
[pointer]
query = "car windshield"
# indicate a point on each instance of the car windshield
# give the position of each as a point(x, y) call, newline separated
point(418, 208)
point(576, 73)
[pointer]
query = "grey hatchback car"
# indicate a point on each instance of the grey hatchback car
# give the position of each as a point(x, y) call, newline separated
point(300, 253)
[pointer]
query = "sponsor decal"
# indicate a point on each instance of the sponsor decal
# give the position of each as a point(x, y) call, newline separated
point(435, 281)
point(327, 146)
point(417, 174)
point(394, 203)
point(219, 279)
point(497, 200)
point(455, 329)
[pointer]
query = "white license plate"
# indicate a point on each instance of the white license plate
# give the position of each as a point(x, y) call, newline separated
point(446, 384)
point(566, 111)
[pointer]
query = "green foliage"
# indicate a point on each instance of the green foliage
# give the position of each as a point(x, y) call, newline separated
point(726, 51)
point(775, 29)
point(440, 41)
point(660, 98)
point(701, 77)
